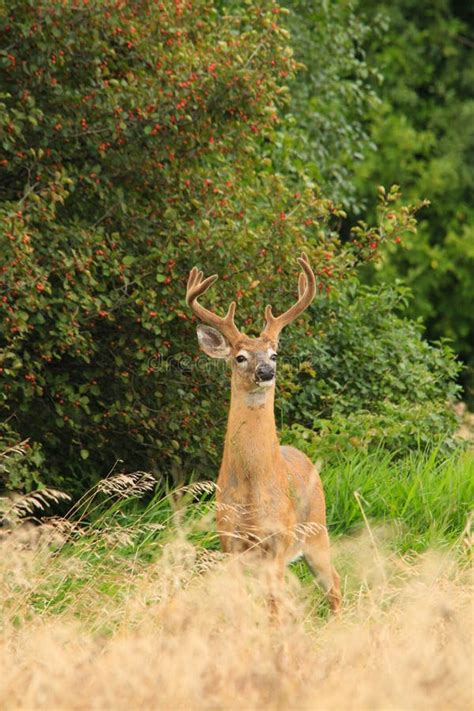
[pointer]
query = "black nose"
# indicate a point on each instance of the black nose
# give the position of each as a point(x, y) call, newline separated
point(264, 372)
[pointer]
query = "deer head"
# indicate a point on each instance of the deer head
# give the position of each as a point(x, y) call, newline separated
point(253, 360)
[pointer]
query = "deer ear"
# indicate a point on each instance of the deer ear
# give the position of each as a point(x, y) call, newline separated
point(212, 342)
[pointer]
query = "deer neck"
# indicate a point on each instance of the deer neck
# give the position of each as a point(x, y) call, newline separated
point(251, 444)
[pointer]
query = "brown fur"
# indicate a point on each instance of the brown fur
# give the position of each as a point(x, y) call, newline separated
point(269, 495)
point(270, 498)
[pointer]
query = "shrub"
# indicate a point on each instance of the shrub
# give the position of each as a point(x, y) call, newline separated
point(20, 461)
point(424, 137)
point(327, 130)
point(368, 378)
point(129, 136)
point(133, 139)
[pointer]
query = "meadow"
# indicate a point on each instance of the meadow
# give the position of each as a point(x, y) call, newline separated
point(141, 140)
point(126, 601)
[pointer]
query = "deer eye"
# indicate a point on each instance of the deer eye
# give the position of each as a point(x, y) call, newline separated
point(241, 359)
point(273, 356)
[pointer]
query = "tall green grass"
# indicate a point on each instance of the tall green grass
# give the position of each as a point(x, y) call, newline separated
point(429, 495)
point(107, 543)
point(129, 602)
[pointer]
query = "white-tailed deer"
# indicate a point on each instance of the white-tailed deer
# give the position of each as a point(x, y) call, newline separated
point(270, 497)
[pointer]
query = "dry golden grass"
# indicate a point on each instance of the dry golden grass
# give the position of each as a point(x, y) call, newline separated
point(192, 631)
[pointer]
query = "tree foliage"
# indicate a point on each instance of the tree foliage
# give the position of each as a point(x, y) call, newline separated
point(136, 143)
point(326, 132)
point(386, 96)
point(367, 378)
point(424, 135)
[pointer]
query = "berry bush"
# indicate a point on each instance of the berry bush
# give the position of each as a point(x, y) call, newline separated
point(135, 143)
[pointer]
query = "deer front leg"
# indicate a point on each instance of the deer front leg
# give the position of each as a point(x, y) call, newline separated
point(317, 555)
point(275, 577)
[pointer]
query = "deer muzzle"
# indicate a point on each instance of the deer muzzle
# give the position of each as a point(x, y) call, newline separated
point(264, 373)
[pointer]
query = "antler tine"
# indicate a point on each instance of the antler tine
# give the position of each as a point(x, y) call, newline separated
point(196, 286)
point(306, 292)
point(302, 284)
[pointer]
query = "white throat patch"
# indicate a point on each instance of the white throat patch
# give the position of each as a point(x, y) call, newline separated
point(257, 398)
